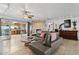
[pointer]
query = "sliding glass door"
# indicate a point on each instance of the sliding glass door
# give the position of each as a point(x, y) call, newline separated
point(5, 36)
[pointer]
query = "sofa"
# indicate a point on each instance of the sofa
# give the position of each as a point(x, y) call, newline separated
point(40, 49)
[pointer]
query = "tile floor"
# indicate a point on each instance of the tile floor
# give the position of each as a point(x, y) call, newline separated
point(69, 47)
point(16, 47)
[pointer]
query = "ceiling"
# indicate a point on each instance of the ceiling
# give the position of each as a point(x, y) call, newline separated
point(40, 10)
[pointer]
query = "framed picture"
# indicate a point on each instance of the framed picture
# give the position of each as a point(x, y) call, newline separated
point(67, 23)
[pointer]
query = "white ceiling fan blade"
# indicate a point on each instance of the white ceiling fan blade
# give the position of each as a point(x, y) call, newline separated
point(24, 10)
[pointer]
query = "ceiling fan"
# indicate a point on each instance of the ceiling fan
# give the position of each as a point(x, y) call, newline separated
point(26, 13)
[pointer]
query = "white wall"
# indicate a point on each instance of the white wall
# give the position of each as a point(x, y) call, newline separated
point(60, 21)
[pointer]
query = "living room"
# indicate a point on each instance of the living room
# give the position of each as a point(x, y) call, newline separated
point(41, 28)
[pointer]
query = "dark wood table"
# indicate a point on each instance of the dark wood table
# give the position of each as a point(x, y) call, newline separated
point(69, 34)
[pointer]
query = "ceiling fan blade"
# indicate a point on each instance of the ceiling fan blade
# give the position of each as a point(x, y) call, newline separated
point(25, 12)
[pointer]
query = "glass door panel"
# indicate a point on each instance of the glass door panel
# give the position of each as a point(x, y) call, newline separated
point(5, 36)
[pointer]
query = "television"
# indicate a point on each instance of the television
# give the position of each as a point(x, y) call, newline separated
point(67, 23)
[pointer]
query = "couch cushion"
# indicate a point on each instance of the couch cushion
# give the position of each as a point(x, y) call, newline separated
point(54, 36)
point(39, 48)
point(42, 35)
